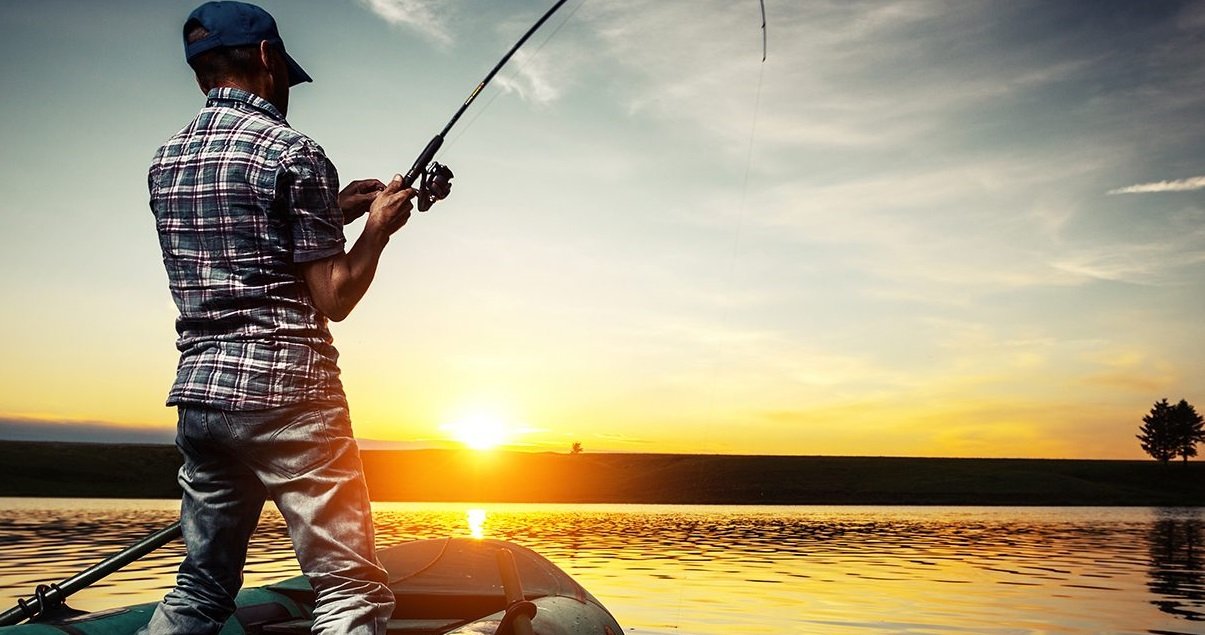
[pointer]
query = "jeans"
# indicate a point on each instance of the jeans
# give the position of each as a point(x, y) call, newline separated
point(305, 458)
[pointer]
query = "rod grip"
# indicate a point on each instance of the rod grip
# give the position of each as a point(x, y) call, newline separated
point(420, 164)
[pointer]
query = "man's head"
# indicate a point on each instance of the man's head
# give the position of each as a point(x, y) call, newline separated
point(237, 44)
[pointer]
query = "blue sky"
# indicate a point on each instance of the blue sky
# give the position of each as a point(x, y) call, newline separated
point(907, 232)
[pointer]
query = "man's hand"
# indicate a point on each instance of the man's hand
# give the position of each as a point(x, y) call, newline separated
point(390, 209)
point(357, 197)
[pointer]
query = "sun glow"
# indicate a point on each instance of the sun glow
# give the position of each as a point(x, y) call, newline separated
point(478, 431)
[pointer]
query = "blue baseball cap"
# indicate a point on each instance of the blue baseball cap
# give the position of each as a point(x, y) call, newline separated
point(237, 24)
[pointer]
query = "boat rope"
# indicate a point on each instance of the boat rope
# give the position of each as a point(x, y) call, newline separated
point(439, 556)
point(47, 597)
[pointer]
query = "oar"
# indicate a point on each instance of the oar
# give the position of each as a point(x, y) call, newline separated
point(519, 612)
point(49, 596)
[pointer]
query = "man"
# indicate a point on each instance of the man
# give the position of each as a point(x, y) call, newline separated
point(250, 221)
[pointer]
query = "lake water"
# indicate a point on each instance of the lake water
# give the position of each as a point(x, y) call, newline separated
point(732, 570)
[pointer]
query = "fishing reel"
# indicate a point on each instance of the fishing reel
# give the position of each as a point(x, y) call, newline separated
point(437, 176)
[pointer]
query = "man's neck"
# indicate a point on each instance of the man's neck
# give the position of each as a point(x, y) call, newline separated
point(258, 88)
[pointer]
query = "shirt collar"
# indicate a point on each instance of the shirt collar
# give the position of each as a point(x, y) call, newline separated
point(238, 95)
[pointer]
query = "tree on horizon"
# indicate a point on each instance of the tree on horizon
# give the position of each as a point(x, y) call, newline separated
point(1169, 431)
point(1157, 433)
point(1186, 429)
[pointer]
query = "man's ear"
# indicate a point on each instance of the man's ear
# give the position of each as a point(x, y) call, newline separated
point(265, 55)
point(273, 61)
point(267, 58)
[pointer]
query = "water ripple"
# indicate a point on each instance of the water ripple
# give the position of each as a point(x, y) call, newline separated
point(709, 570)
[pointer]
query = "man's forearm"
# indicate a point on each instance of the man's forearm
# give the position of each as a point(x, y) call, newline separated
point(338, 283)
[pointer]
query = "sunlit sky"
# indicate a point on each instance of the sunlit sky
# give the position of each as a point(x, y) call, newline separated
point(920, 228)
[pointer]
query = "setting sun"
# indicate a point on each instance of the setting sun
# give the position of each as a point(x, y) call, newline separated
point(479, 431)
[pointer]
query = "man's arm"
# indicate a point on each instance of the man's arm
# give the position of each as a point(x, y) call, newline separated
point(337, 283)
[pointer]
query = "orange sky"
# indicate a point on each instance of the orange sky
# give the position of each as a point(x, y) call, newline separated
point(915, 230)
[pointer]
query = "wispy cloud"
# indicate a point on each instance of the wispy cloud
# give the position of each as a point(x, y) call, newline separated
point(419, 15)
point(529, 76)
point(1179, 185)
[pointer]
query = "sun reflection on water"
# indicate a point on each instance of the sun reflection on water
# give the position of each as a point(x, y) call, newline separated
point(476, 517)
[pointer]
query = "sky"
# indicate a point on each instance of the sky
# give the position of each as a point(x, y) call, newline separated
point(919, 228)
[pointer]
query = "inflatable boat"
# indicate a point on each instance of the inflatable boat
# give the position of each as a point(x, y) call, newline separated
point(450, 586)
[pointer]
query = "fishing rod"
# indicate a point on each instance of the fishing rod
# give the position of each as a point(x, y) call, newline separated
point(763, 30)
point(48, 597)
point(427, 173)
point(425, 170)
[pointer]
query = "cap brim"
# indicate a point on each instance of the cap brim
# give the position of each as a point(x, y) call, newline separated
point(297, 74)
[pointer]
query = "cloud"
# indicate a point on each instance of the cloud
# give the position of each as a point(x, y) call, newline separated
point(418, 15)
point(530, 77)
point(833, 78)
point(1132, 371)
point(1180, 185)
point(1133, 265)
point(1169, 255)
point(33, 429)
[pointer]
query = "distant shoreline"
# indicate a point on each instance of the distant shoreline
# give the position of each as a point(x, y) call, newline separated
point(91, 470)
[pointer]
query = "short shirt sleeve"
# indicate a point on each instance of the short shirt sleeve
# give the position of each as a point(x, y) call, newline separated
point(308, 186)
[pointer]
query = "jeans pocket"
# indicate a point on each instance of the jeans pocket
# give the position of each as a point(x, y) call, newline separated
point(186, 426)
point(293, 442)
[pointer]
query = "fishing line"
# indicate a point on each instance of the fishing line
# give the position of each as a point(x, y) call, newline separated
point(519, 66)
point(742, 203)
point(742, 206)
point(726, 318)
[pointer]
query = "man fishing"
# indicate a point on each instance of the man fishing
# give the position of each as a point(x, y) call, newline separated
point(250, 220)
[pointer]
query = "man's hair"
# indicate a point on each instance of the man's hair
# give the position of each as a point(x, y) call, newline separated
point(223, 63)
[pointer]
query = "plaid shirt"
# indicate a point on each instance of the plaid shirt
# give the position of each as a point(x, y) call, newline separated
point(239, 199)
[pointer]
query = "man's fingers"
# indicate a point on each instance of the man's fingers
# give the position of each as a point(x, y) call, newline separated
point(401, 196)
point(369, 186)
point(395, 184)
point(362, 187)
point(392, 205)
point(364, 199)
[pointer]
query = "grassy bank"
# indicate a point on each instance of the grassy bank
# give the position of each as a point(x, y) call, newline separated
point(148, 471)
